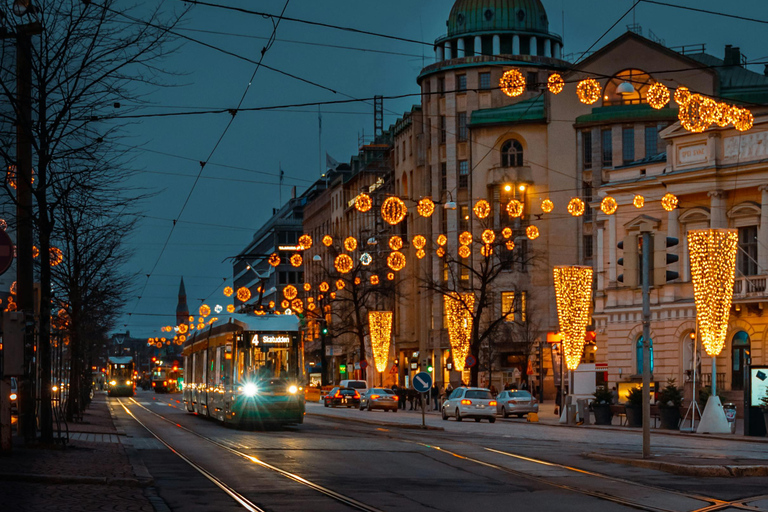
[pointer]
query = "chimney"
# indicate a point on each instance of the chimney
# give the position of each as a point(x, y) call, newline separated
point(293, 192)
point(765, 71)
point(732, 56)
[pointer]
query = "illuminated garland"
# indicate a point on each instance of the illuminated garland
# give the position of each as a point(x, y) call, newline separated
point(290, 292)
point(698, 113)
point(576, 207)
point(555, 83)
point(588, 91)
point(426, 207)
point(486, 250)
point(440, 252)
point(682, 96)
point(307, 286)
point(420, 253)
point(205, 310)
point(510, 245)
point(184, 328)
point(512, 83)
point(296, 260)
point(547, 206)
point(506, 232)
point(380, 327)
point(465, 238)
point(327, 240)
point(442, 240)
point(297, 305)
point(464, 251)
point(515, 208)
point(305, 242)
point(391, 276)
point(393, 210)
point(374, 279)
point(350, 243)
point(419, 242)
point(363, 203)
point(343, 264)
point(482, 209)
point(458, 315)
point(669, 202)
point(658, 95)
point(573, 289)
point(228, 291)
point(532, 232)
point(638, 201)
point(395, 243)
point(340, 285)
point(723, 115)
point(274, 259)
point(285, 304)
point(609, 205)
point(713, 266)
point(357, 281)
point(243, 294)
point(230, 308)
point(324, 287)
point(488, 236)
point(396, 261)
point(742, 119)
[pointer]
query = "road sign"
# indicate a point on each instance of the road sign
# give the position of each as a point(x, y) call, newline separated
point(422, 382)
point(470, 361)
point(363, 364)
point(6, 251)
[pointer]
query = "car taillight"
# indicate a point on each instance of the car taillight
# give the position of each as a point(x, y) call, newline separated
point(466, 402)
point(153, 384)
point(337, 395)
point(374, 397)
point(492, 403)
point(165, 383)
point(357, 395)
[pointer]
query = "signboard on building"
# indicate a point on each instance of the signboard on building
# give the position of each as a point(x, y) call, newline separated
point(331, 350)
point(759, 380)
point(693, 154)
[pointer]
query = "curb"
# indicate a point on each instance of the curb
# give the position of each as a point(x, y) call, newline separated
point(706, 470)
point(87, 480)
point(376, 424)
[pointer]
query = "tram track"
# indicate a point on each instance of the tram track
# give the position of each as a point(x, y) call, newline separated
point(341, 498)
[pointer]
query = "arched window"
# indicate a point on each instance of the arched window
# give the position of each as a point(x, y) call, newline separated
point(512, 154)
point(640, 82)
point(639, 354)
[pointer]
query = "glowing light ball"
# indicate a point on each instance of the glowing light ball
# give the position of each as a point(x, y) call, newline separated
point(395, 243)
point(609, 205)
point(426, 207)
point(343, 263)
point(350, 243)
point(532, 232)
point(363, 203)
point(547, 206)
point(515, 208)
point(588, 91)
point(305, 242)
point(243, 294)
point(482, 209)
point(512, 83)
point(576, 207)
point(658, 95)
point(393, 210)
point(555, 83)
point(669, 202)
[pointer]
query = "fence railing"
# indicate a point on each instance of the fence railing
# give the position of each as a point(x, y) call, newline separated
point(706, 380)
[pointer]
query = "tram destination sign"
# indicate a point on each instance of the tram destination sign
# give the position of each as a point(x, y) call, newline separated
point(270, 339)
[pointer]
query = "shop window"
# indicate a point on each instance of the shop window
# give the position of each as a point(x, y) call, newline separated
point(512, 154)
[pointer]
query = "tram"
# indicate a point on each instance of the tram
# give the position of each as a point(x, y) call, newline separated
point(246, 371)
point(167, 379)
point(120, 376)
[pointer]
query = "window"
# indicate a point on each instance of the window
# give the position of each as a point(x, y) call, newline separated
point(485, 80)
point(461, 82)
point(444, 221)
point(607, 148)
point(588, 252)
point(464, 218)
point(651, 141)
point(508, 306)
point(443, 176)
point(442, 129)
point(532, 82)
point(463, 174)
point(512, 154)
point(586, 155)
point(282, 278)
point(521, 254)
point(747, 256)
point(628, 144)
point(441, 86)
point(464, 274)
point(639, 354)
point(586, 192)
point(461, 126)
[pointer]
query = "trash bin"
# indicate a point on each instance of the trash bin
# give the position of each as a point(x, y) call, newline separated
point(583, 407)
point(730, 415)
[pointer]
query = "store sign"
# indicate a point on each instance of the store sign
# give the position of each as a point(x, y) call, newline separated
point(270, 339)
point(692, 154)
point(290, 248)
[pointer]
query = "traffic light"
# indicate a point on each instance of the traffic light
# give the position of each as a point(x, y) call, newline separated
point(342, 368)
point(324, 331)
point(661, 258)
point(629, 261)
point(430, 369)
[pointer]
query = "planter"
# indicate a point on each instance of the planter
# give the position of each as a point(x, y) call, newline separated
point(765, 415)
point(670, 417)
point(603, 414)
point(634, 415)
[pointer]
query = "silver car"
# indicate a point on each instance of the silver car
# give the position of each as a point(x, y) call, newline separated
point(517, 402)
point(477, 403)
point(379, 398)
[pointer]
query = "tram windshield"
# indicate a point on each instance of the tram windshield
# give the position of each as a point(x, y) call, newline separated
point(266, 356)
point(121, 371)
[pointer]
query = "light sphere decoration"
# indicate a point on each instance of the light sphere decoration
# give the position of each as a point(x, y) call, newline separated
point(228, 291)
point(609, 205)
point(350, 243)
point(396, 261)
point(459, 311)
point(482, 209)
point(555, 83)
point(486, 250)
point(488, 236)
point(419, 242)
point(465, 238)
point(576, 207)
point(512, 83)
point(420, 254)
point(374, 279)
point(698, 113)
point(183, 328)
point(510, 245)
point(682, 96)
point(723, 114)
point(35, 251)
point(588, 91)
point(290, 292)
point(56, 256)
point(532, 232)
point(669, 202)
point(713, 268)
point(311, 306)
point(426, 207)
point(393, 210)
point(638, 201)
point(324, 287)
point(658, 95)
point(343, 263)
point(327, 240)
point(285, 304)
point(296, 260)
point(297, 305)
point(573, 290)
point(218, 309)
point(742, 118)
point(357, 281)
point(515, 208)
point(380, 327)
point(464, 251)
point(440, 252)
point(366, 259)
point(191, 320)
point(442, 240)
point(307, 287)
point(243, 294)
point(391, 276)
point(230, 308)
point(395, 243)
point(305, 242)
point(274, 259)
point(506, 233)
point(363, 203)
point(205, 310)
point(201, 326)
point(332, 295)
point(271, 304)
point(547, 206)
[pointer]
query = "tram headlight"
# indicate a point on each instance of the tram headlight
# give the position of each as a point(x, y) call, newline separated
point(250, 389)
point(113, 383)
point(128, 382)
point(293, 389)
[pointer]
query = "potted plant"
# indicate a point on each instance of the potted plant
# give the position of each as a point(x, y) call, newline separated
point(670, 400)
point(601, 406)
point(634, 407)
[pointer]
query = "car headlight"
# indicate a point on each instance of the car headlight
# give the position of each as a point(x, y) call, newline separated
point(293, 390)
point(54, 388)
point(13, 396)
point(113, 383)
point(128, 382)
point(250, 389)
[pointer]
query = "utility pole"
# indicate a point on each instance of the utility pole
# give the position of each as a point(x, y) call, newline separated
point(646, 247)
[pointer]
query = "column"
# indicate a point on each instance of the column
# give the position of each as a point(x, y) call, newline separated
point(534, 50)
point(600, 260)
point(717, 209)
point(460, 53)
point(439, 54)
point(496, 45)
point(478, 45)
point(612, 248)
point(515, 45)
point(547, 48)
point(558, 49)
point(762, 234)
point(448, 53)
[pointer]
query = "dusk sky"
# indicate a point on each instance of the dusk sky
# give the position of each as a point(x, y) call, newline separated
point(239, 187)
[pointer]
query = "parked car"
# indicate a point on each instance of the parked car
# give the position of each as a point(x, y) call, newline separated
point(516, 402)
point(360, 385)
point(477, 403)
point(379, 398)
point(346, 397)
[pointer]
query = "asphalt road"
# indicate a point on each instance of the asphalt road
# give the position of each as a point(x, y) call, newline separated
point(329, 464)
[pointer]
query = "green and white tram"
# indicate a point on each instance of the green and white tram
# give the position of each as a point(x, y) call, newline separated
point(246, 370)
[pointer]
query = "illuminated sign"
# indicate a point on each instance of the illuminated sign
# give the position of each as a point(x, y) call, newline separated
point(759, 377)
point(290, 248)
point(271, 339)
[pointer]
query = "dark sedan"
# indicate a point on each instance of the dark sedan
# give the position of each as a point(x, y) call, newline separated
point(345, 397)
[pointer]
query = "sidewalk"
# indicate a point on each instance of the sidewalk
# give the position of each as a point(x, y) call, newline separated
point(92, 473)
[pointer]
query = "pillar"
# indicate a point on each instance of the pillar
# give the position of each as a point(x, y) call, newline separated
point(557, 53)
point(547, 48)
point(478, 45)
point(534, 50)
point(717, 209)
point(448, 52)
point(496, 45)
point(515, 45)
point(762, 234)
point(460, 53)
point(439, 54)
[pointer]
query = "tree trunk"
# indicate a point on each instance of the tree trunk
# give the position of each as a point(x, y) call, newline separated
point(44, 339)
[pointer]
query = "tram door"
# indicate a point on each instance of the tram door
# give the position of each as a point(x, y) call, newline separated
point(739, 348)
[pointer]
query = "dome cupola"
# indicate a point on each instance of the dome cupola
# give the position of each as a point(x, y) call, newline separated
point(477, 16)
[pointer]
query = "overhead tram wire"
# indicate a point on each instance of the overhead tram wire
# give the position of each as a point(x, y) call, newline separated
point(586, 52)
point(705, 11)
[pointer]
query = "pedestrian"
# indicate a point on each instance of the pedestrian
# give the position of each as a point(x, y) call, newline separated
point(558, 400)
point(436, 395)
point(411, 397)
point(614, 395)
point(401, 398)
point(494, 392)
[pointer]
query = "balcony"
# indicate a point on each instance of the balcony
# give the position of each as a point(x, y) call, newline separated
point(749, 287)
point(500, 175)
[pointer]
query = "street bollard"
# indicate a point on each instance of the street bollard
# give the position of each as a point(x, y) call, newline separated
point(730, 415)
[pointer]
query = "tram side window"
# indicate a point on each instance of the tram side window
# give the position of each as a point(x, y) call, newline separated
point(199, 365)
point(225, 366)
point(211, 369)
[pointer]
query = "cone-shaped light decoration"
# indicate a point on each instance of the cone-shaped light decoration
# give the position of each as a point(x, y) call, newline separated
point(713, 267)
point(573, 288)
point(380, 325)
point(458, 312)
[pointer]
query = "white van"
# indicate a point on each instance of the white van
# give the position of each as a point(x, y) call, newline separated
point(360, 385)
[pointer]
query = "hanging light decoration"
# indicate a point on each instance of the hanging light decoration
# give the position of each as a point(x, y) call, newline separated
point(327, 240)
point(274, 259)
point(682, 96)
point(366, 259)
point(459, 309)
point(56, 256)
point(609, 205)
point(440, 252)
point(285, 304)
point(357, 281)
point(324, 287)
point(532, 232)
point(419, 242)
point(658, 95)
point(555, 83)
point(512, 83)
point(742, 118)
point(442, 240)
point(380, 327)
point(350, 243)
point(290, 292)
point(506, 232)
point(426, 207)
point(420, 253)
point(311, 306)
point(228, 291)
point(510, 245)
point(230, 308)
point(588, 91)
point(488, 236)
point(698, 113)
point(296, 260)
point(576, 207)
point(363, 203)
point(343, 263)
point(638, 201)
point(305, 242)
point(243, 294)
point(395, 243)
point(465, 238)
point(393, 210)
point(35, 251)
point(396, 261)
point(547, 206)
point(183, 328)
point(374, 279)
point(297, 305)
point(271, 304)
point(464, 251)
point(201, 326)
point(482, 209)
point(573, 290)
point(218, 309)
point(486, 250)
point(340, 284)
point(332, 295)
point(713, 267)
point(515, 208)
point(205, 310)
point(191, 319)
point(723, 114)
point(307, 287)
point(669, 202)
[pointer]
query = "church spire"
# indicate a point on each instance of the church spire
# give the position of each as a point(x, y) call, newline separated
point(182, 310)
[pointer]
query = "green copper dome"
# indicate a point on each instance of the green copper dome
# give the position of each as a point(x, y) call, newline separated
point(469, 16)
